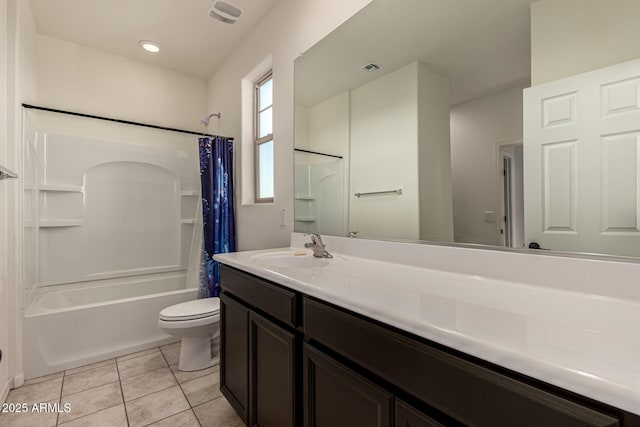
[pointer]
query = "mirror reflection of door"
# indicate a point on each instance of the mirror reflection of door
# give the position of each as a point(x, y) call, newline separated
point(510, 183)
point(506, 200)
point(582, 165)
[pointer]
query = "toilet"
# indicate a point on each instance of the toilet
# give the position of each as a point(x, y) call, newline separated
point(197, 323)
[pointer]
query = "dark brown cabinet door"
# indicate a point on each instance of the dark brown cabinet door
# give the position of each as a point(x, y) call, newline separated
point(234, 367)
point(408, 416)
point(335, 396)
point(271, 374)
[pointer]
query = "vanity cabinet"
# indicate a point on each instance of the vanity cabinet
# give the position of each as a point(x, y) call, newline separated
point(336, 396)
point(258, 349)
point(234, 353)
point(288, 359)
point(407, 416)
point(457, 388)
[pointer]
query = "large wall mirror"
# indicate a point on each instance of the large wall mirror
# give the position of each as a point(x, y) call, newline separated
point(409, 125)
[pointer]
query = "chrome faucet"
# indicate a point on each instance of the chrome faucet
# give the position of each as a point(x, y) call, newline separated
point(318, 247)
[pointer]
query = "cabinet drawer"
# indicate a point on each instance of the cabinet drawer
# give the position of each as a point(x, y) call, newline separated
point(266, 297)
point(472, 394)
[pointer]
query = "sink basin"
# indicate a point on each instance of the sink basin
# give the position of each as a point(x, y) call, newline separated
point(289, 259)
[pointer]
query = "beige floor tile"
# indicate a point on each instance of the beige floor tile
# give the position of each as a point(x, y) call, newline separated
point(147, 383)
point(173, 344)
point(42, 392)
point(184, 376)
point(90, 366)
point(89, 379)
point(140, 365)
point(111, 417)
point(202, 389)
point(29, 419)
point(217, 413)
point(43, 378)
point(172, 354)
point(156, 406)
point(138, 354)
point(183, 419)
point(92, 400)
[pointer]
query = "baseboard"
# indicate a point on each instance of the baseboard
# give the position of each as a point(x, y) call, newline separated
point(18, 380)
point(5, 391)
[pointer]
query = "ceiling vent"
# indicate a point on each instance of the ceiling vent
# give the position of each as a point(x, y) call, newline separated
point(225, 11)
point(371, 67)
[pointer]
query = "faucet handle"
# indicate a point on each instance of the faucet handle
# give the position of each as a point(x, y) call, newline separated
point(315, 239)
point(353, 233)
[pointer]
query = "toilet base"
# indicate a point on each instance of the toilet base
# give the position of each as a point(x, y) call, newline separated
point(195, 354)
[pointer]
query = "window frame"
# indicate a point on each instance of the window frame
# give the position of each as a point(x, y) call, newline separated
point(257, 141)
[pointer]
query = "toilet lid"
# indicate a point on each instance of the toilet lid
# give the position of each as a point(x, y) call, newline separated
point(190, 310)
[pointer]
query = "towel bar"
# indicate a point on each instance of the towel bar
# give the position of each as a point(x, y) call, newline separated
point(397, 191)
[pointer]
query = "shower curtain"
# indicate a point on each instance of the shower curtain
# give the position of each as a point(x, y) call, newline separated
point(216, 174)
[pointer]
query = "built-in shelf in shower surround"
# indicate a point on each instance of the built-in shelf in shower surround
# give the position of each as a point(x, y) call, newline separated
point(104, 208)
point(53, 223)
point(305, 218)
point(61, 188)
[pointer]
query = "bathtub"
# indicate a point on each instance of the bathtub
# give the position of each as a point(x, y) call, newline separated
point(71, 325)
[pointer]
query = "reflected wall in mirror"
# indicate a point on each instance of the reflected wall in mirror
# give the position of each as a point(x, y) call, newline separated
point(420, 103)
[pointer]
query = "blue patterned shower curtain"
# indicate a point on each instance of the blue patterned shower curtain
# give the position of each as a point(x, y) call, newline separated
point(216, 174)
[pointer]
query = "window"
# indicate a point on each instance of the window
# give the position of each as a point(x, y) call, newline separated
point(264, 139)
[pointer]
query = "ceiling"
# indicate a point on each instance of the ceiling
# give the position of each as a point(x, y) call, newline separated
point(481, 46)
point(190, 41)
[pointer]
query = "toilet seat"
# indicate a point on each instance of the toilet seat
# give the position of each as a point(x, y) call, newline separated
point(191, 310)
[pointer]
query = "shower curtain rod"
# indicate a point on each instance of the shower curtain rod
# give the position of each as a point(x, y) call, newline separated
point(315, 152)
point(109, 119)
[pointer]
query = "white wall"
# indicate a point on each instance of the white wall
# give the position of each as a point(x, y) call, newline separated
point(384, 156)
point(4, 297)
point(78, 78)
point(393, 132)
point(329, 126)
point(574, 36)
point(434, 156)
point(324, 128)
point(400, 139)
point(476, 127)
point(289, 29)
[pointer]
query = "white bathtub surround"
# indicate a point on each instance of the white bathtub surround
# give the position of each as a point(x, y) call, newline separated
point(571, 322)
point(109, 217)
point(71, 325)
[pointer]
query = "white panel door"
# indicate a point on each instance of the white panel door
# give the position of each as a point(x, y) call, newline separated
point(581, 160)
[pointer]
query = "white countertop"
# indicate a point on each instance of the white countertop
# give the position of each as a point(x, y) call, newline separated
point(584, 342)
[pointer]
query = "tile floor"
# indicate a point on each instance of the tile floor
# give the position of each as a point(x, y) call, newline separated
point(139, 389)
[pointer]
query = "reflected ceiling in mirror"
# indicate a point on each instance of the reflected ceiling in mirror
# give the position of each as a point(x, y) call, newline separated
point(480, 46)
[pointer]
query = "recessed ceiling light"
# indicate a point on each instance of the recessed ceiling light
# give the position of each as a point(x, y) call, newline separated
point(149, 46)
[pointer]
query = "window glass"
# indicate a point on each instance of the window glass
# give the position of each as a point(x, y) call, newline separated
point(265, 169)
point(265, 120)
point(265, 94)
point(264, 139)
